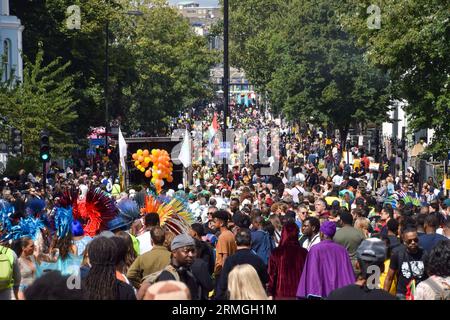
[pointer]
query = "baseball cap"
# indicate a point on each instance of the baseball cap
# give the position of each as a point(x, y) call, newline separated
point(447, 203)
point(181, 241)
point(371, 250)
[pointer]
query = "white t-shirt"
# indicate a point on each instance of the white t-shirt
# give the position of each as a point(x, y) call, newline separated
point(145, 242)
point(300, 177)
point(337, 180)
point(309, 243)
point(295, 192)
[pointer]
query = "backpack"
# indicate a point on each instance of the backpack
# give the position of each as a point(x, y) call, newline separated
point(153, 277)
point(6, 267)
point(439, 293)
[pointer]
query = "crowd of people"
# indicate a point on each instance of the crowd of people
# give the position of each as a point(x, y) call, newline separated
point(318, 228)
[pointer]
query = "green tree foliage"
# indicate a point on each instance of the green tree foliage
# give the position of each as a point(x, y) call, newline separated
point(45, 99)
point(413, 45)
point(171, 67)
point(158, 66)
point(310, 65)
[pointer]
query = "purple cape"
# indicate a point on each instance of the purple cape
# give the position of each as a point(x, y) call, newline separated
point(327, 267)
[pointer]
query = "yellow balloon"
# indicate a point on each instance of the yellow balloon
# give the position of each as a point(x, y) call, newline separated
point(147, 159)
point(136, 163)
point(142, 169)
point(139, 152)
point(139, 167)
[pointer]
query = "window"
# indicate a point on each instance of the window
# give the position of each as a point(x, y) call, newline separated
point(6, 59)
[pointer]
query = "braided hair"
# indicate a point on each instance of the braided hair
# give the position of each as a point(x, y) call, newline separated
point(101, 283)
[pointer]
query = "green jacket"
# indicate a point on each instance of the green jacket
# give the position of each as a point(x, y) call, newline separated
point(154, 260)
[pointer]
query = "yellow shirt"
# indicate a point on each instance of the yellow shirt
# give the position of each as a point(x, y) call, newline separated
point(356, 163)
point(393, 289)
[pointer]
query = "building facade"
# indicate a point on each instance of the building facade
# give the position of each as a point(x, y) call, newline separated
point(10, 44)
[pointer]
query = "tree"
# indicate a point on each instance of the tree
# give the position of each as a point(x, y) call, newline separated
point(45, 99)
point(170, 67)
point(312, 67)
point(412, 44)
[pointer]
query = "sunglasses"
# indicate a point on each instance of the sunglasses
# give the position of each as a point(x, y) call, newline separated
point(416, 240)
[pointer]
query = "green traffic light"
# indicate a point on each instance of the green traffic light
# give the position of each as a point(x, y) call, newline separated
point(44, 157)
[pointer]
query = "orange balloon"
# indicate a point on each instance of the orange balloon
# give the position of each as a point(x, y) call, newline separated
point(145, 164)
point(141, 159)
point(135, 156)
point(145, 153)
point(169, 179)
point(148, 174)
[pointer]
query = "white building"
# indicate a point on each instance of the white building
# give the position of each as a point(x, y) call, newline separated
point(399, 120)
point(10, 43)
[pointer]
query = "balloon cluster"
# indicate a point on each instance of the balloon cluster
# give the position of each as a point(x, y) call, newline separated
point(161, 169)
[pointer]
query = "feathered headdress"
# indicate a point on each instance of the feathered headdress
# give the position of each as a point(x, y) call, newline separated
point(98, 211)
point(27, 227)
point(174, 214)
point(129, 208)
point(34, 207)
point(94, 211)
point(391, 200)
point(128, 212)
point(6, 210)
point(414, 201)
point(63, 221)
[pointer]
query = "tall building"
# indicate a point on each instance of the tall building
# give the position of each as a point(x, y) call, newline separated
point(202, 19)
point(10, 44)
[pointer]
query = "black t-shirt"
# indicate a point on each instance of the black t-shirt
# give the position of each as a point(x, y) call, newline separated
point(187, 277)
point(405, 262)
point(125, 291)
point(355, 292)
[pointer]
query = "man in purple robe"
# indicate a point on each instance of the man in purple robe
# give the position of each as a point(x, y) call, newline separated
point(327, 267)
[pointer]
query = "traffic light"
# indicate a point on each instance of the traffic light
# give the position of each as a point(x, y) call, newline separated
point(17, 143)
point(45, 146)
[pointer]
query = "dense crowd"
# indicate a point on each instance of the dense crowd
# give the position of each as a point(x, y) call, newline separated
point(319, 228)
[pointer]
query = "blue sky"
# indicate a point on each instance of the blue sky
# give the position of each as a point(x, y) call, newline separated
point(201, 2)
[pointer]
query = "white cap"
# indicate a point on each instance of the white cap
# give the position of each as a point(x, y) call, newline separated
point(180, 187)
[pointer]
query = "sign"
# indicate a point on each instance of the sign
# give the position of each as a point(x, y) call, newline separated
point(360, 140)
point(447, 184)
point(97, 142)
point(225, 149)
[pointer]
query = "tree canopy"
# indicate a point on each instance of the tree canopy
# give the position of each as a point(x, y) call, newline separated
point(412, 44)
point(310, 65)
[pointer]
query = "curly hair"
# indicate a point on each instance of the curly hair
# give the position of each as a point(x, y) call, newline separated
point(101, 283)
point(438, 263)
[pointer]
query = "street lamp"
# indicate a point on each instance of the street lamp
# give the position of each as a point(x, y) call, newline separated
point(130, 13)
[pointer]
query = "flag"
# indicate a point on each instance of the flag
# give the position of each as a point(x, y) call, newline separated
point(185, 152)
point(214, 127)
point(122, 156)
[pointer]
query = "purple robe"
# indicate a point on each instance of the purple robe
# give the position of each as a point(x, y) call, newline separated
point(327, 267)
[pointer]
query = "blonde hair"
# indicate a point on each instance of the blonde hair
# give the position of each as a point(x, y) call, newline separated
point(244, 284)
point(362, 224)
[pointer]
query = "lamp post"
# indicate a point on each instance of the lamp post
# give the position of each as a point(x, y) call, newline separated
point(130, 13)
point(225, 81)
